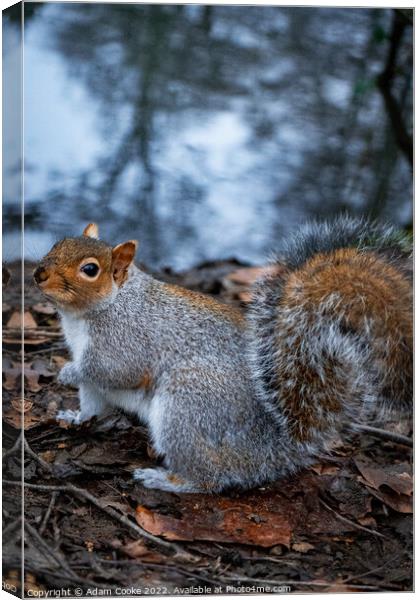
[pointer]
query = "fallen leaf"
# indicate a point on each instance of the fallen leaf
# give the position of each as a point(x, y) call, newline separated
point(392, 484)
point(395, 476)
point(249, 275)
point(15, 321)
point(138, 549)
point(17, 341)
point(14, 418)
point(368, 521)
point(51, 409)
point(322, 469)
point(48, 455)
point(398, 502)
point(102, 455)
point(60, 361)
point(20, 406)
point(302, 547)
point(31, 585)
point(12, 376)
point(44, 309)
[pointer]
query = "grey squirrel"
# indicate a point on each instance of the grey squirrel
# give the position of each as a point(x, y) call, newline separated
point(232, 400)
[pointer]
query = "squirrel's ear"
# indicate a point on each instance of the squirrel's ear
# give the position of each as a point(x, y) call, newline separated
point(91, 231)
point(122, 257)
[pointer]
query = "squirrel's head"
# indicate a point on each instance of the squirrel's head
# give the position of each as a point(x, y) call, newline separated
point(80, 272)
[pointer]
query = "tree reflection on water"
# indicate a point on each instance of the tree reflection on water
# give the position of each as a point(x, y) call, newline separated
point(225, 126)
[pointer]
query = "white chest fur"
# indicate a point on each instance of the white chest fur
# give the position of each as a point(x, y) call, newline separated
point(133, 401)
point(76, 333)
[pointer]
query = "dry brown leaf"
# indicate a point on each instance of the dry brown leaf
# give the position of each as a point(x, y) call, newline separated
point(398, 476)
point(44, 309)
point(48, 455)
point(14, 418)
point(51, 409)
point(249, 275)
point(321, 469)
point(28, 321)
point(60, 361)
point(12, 376)
point(20, 406)
point(15, 321)
point(302, 547)
point(398, 502)
point(392, 484)
point(17, 341)
point(368, 521)
point(138, 549)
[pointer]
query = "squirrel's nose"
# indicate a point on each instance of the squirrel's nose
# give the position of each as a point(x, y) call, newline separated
point(40, 275)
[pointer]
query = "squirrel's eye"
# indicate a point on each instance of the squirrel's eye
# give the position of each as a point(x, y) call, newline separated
point(91, 269)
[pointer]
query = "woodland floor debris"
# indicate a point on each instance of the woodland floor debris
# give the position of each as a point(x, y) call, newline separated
point(343, 525)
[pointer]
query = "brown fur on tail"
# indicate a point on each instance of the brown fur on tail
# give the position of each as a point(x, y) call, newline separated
point(333, 339)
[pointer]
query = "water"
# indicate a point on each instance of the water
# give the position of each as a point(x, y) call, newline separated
point(204, 132)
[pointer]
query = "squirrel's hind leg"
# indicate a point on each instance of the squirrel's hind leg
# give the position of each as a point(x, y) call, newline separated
point(161, 479)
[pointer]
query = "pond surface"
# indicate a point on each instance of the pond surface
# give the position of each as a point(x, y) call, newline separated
point(204, 132)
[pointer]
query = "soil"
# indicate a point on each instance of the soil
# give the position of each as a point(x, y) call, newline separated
point(343, 525)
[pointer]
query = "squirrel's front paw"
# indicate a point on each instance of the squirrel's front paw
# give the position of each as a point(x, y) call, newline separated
point(69, 375)
point(74, 417)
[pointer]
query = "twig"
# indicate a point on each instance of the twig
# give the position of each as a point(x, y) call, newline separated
point(11, 526)
point(350, 522)
point(14, 448)
point(35, 456)
point(352, 577)
point(384, 434)
point(53, 554)
point(48, 513)
point(69, 487)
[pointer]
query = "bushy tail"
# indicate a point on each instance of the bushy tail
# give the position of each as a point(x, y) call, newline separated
point(331, 333)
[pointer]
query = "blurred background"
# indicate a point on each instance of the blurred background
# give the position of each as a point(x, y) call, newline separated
point(206, 132)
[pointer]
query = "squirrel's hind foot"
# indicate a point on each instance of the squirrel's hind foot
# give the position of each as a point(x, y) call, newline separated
point(162, 479)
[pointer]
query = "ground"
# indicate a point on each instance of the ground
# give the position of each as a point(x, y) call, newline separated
point(343, 525)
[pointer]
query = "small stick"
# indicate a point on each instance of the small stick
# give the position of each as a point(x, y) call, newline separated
point(14, 448)
point(35, 456)
point(350, 522)
point(69, 487)
point(384, 434)
point(48, 513)
point(54, 555)
point(366, 573)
